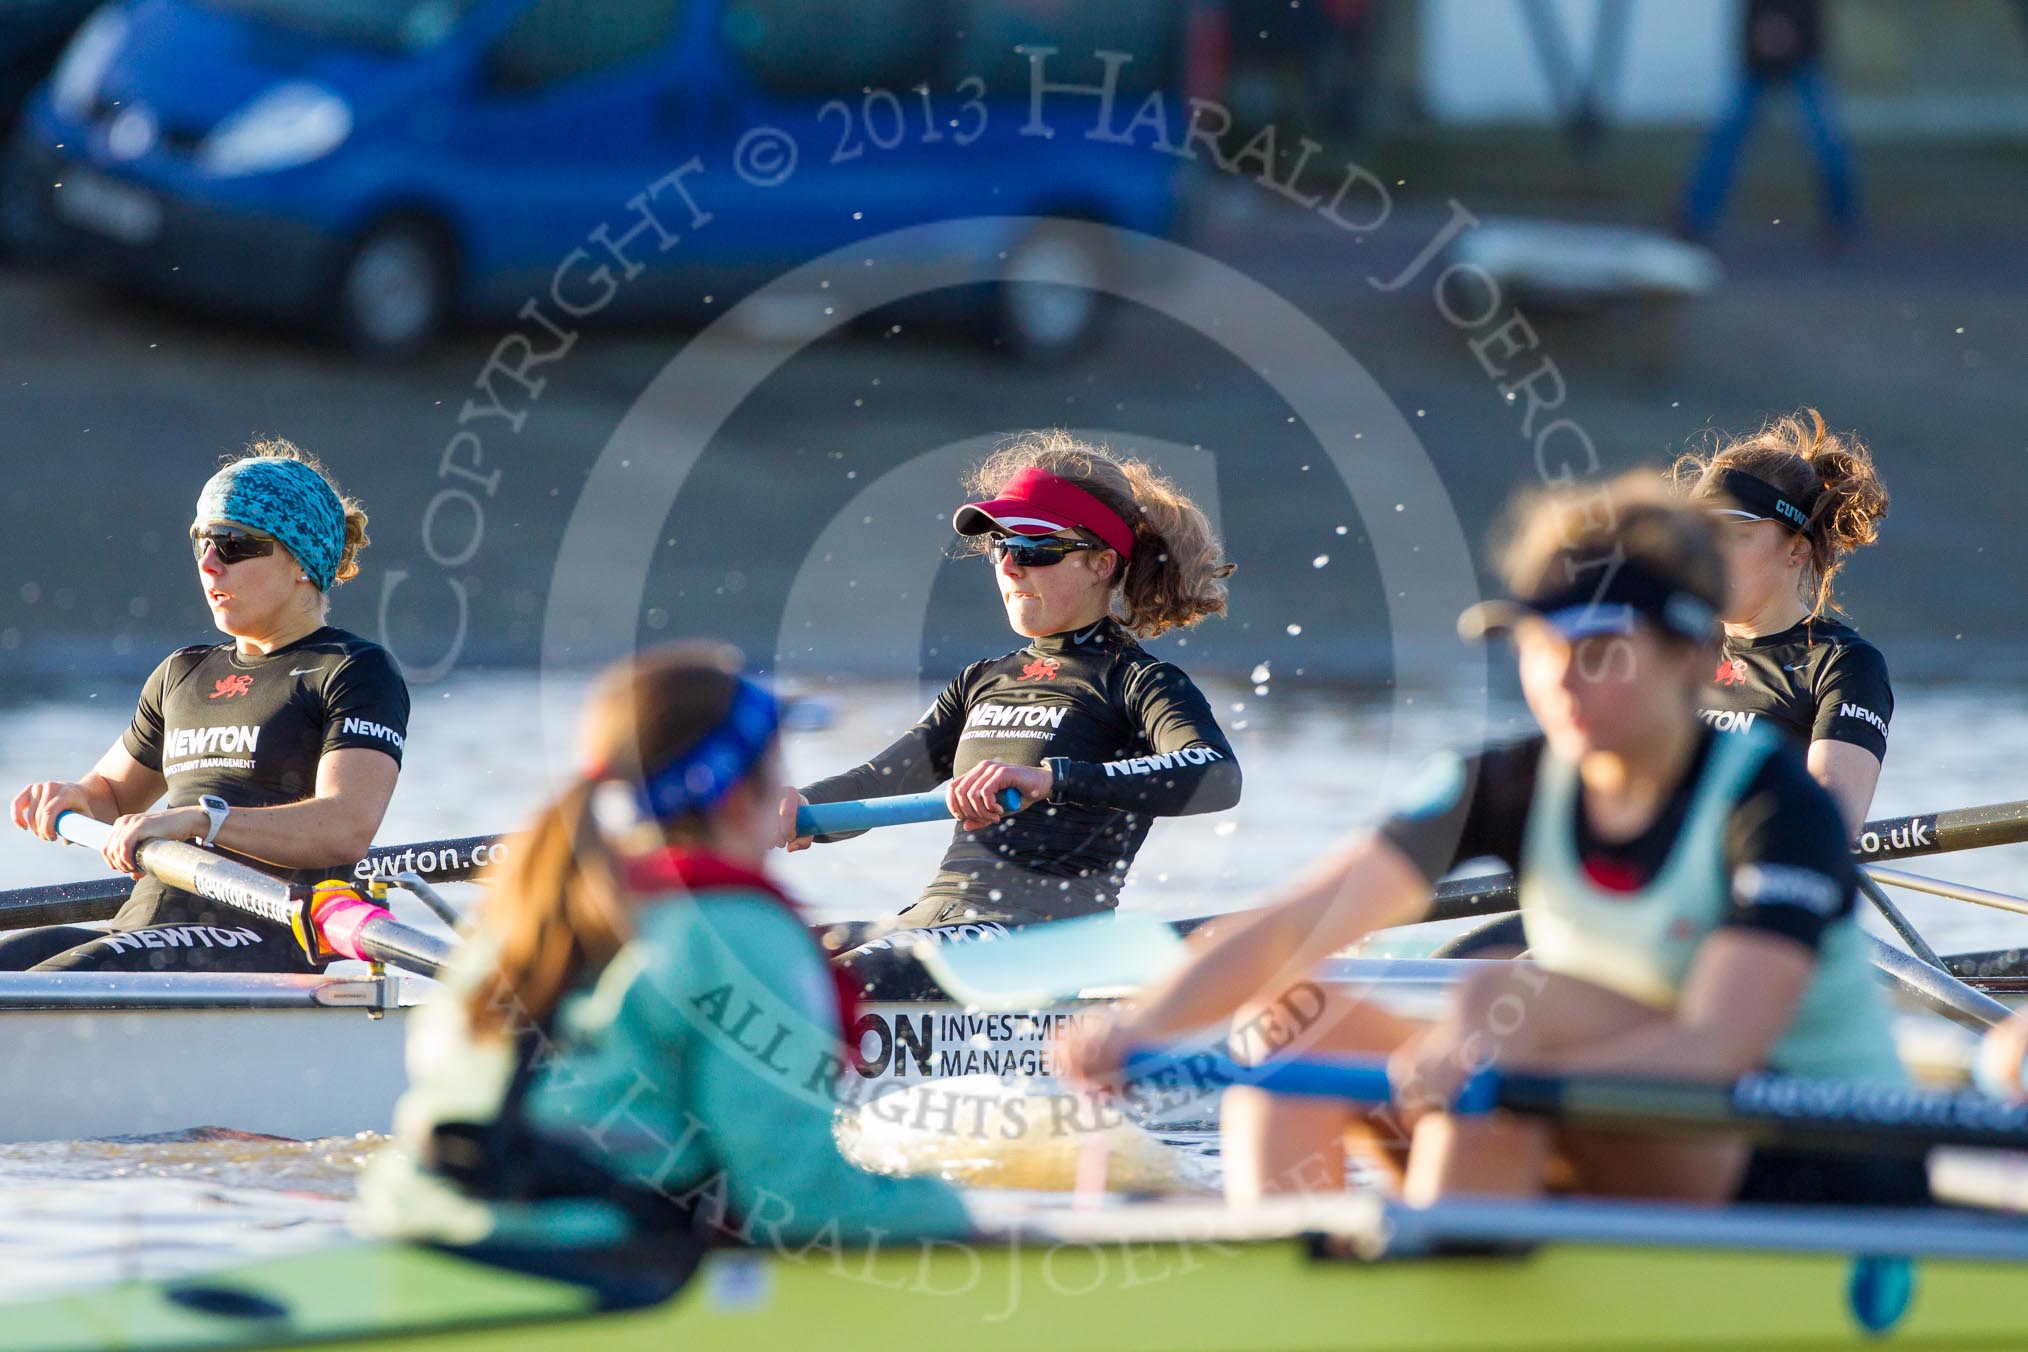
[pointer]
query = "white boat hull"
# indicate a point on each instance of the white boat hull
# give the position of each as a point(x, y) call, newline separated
point(89, 1054)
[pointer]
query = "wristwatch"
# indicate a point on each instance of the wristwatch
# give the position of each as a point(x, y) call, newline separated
point(216, 808)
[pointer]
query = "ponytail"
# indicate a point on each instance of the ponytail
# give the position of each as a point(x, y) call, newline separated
point(558, 911)
point(560, 907)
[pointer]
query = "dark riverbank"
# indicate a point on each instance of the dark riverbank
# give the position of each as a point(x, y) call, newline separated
point(116, 411)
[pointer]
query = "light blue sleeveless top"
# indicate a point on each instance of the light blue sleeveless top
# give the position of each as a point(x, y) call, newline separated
point(1641, 944)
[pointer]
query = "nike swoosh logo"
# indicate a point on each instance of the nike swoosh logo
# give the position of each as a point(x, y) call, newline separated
point(1797, 667)
point(305, 671)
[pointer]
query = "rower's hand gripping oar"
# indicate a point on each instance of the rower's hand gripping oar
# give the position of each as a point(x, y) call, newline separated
point(1787, 1110)
point(826, 819)
point(330, 920)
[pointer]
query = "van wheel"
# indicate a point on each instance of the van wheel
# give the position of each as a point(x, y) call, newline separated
point(1052, 305)
point(393, 290)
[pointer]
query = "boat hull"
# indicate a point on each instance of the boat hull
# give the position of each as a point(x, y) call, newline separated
point(129, 1054)
point(122, 1054)
point(1209, 1284)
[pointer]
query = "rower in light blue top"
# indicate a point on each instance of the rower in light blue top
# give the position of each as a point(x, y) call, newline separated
point(1688, 897)
point(641, 1044)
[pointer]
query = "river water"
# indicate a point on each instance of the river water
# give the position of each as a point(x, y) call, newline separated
point(1316, 766)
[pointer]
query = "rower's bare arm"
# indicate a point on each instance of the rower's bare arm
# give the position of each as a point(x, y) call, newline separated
point(336, 825)
point(1738, 998)
point(1850, 773)
point(129, 786)
point(1345, 896)
point(117, 784)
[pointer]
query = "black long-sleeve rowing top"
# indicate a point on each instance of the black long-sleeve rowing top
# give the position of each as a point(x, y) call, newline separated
point(1128, 738)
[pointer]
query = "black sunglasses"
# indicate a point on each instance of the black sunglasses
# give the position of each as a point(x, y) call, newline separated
point(233, 544)
point(1033, 552)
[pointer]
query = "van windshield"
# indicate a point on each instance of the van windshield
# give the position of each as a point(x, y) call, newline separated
point(385, 25)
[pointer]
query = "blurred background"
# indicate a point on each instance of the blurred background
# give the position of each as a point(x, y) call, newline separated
point(372, 226)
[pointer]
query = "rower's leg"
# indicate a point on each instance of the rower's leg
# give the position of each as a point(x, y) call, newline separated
point(1515, 1014)
point(1272, 1144)
point(1626, 1164)
point(20, 950)
point(1497, 1155)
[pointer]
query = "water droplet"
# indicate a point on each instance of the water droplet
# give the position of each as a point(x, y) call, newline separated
point(1260, 673)
point(1322, 559)
point(1294, 630)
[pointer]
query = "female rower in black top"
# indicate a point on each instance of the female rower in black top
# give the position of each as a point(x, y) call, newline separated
point(1794, 501)
point(1689, 896)
point(1791, 502)
point(1091, 551)
point(280, 747)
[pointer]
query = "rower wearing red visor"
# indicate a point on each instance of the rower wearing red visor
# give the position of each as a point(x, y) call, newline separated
point(1091, 552)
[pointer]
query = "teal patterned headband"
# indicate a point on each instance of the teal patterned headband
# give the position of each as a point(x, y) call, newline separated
point(288, 500)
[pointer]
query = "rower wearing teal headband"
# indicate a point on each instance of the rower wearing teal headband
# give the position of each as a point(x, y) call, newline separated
point(287, 499)
point(278, 747)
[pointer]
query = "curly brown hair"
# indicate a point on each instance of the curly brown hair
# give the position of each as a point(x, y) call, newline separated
point(1804, 459)
point(1177, 574)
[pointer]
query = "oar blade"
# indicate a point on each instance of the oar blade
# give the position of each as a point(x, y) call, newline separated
point(1047, 963)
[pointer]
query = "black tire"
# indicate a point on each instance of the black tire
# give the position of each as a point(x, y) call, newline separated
point(393, 291)
point(1055, 304)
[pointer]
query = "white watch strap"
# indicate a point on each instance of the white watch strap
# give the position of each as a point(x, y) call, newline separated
point(218, 810)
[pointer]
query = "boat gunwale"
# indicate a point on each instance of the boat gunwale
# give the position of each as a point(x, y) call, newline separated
point(156, 992)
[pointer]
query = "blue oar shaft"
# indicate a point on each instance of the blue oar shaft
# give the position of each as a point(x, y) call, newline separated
point(1790, 1110)
point(825, 819)
point(1352, 1081)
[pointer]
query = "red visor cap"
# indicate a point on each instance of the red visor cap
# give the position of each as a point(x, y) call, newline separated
point(1036, 502)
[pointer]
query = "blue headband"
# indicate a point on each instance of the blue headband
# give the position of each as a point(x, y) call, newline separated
point(288, 500)
point(696, 780)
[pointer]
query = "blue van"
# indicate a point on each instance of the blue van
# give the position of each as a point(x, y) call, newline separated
point(377, 168)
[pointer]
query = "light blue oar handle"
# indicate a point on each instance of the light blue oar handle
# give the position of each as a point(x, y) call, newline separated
point(825, 819)
point(1349, 1079)
point(79, 829)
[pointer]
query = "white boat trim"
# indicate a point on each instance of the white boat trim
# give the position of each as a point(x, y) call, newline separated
point(97, 1054)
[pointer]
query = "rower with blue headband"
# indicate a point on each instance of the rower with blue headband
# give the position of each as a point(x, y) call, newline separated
point(698, 779)
point(637, 1048)
point(288, 501)
point(278, 748)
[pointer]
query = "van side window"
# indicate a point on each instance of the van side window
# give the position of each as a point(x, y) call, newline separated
point(1151, 32)
point(822, 47)
point(558, 40)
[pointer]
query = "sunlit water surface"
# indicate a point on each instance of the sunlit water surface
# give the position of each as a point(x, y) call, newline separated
point(480, 758)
